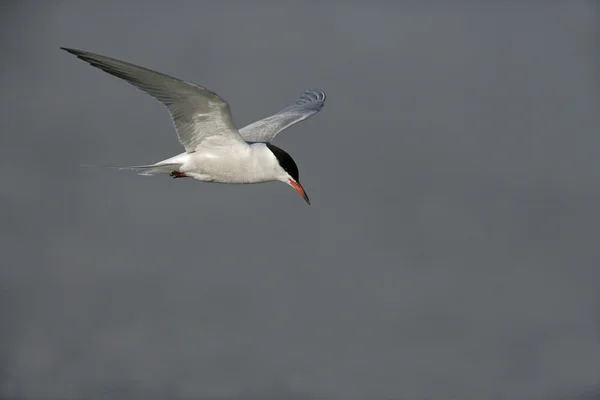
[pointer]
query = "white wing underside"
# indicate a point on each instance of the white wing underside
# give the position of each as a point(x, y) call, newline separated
point(199, 115)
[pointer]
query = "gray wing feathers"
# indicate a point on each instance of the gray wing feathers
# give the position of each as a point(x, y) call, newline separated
point(197, 112)
point(265, 130)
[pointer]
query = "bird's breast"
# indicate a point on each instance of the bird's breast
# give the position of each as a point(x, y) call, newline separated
point(229, 167)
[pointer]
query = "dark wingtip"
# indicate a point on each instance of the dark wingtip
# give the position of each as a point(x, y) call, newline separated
point(78, 53)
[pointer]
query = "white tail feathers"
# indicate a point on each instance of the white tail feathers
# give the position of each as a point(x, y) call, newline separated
point(146, 170)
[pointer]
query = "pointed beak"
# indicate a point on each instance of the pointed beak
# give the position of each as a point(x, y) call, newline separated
point(300, 190)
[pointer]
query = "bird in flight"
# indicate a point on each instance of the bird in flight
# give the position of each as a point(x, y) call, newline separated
point(215, 150)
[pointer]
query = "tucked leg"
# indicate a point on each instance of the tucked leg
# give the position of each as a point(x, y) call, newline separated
point(177, 174)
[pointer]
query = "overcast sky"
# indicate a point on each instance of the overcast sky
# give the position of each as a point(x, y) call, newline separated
point(450, 253)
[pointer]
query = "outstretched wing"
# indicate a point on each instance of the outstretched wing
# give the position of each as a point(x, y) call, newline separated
point(265, 130)
point(198, 114)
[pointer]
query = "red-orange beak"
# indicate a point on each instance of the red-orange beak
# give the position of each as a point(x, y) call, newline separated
point(300, 190)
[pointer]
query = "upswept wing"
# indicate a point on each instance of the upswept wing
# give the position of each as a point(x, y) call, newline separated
point(265, 130)
point(198, 114)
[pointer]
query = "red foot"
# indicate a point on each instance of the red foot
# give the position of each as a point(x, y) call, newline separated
point(177, 174)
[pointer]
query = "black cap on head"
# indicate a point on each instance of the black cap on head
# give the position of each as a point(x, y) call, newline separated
point(286, 161)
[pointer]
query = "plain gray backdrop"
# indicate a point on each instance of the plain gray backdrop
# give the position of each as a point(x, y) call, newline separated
point(451, 251)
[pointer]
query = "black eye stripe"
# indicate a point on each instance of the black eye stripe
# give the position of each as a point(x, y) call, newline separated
point(286, 161)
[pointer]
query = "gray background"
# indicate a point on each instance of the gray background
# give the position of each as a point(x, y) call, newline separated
point(451, 251)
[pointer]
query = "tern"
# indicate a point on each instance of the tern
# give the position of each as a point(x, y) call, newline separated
point(215, 150)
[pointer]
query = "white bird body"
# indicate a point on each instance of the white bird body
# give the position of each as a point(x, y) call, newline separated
point(215, 150)
point(253, 163)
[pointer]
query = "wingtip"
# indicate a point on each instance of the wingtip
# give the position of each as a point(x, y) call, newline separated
point(73, 51)
point(316, 94)
point(312, 98)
